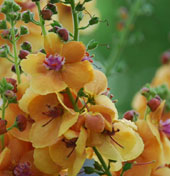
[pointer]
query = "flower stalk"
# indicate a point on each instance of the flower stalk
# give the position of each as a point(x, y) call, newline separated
point(42, 22)
point(76, 22)
point(102, 162)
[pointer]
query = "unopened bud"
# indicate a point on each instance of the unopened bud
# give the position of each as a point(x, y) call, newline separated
point(13, 82)
point(131, 115)
point(145, 91)
point(23, 54)
point(46, 14)
point(165, 57)
point(64, 34)
point(95, 122)
point(94, 20)
point(10, 94)
point(154, 103)
point(5, 34)
point(26, 46)
point(3, 124)
point(52, 7)
point(21, 122)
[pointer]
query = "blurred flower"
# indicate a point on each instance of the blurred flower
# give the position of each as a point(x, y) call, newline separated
point(61, 67)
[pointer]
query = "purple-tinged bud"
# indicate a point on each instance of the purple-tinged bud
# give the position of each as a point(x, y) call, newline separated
point(5, 34)
point(23, 54)
point(10, 94)
point(130, 115)
point(64, 34)
point(165, 58)
point(3, 124)
point(154, 103)
point(13, 69)
point(144, 91)
point(165, 127)
point(22, 169)
point(21, 122)
point(46, 14)
point(13, 82)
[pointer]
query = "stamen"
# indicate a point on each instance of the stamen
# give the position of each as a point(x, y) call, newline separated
point(116, 142)
point(22, 169)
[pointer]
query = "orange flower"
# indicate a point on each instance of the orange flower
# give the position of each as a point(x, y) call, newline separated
point(52, 120)
point(61, 67)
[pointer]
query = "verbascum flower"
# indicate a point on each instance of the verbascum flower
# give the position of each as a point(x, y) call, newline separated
point(62, 66)
point(65, 16)
point(156, 152)
point(51, 119)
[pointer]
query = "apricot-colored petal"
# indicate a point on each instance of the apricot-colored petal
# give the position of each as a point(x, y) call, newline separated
point(65, 16)
point(108, 150)
point(73, 51)
point(130, 141)
point(76, 75)
point(98, 85)
point(22, 135)
point(70, 134)
point(67, 120)
point(40, 76)
point(59, 154)
point(34, 64)
point(81, 142)
point(5, 158)
point(77, 165)
point(43, 161)
point(52, 44)
point(104, 100)
point(26, 99)
point(43, 136)
point(38, 106)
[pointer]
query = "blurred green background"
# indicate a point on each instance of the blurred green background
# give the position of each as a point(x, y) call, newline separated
point(138, 61)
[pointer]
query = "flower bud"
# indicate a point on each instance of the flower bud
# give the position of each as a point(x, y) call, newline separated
point(3, 24)
point(26, 46)
point(154, 103)
point(10, 94)
point(46, 14)
point(131, 115)
point(52, 7)
point(21, 122)
point(13, 82)
point(95, 122)
point(64, 34)
point(27, 16)
point(5, 34)
point(3, 124)
point(23, 54)
point(145, 91)
point(23, 30)
point(165, 58)
point(94, 20)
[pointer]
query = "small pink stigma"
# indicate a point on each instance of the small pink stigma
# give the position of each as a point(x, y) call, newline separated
point(88, 58)
point(22, 169)
point(54, 62)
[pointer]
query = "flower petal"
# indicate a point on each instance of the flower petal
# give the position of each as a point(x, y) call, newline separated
point(52, 44)
point(43, 136)
point(43, 161)
point(81, 142)
point(98, 85)
point(67, 121)
point(5, 158)
point(59, 154)
point(130, 141)
point(76, 75)
point(73, 51)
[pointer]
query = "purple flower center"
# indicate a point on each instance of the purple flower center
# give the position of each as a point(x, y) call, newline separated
point(88, 58)
point(54, 62)
point(165, 127)
point(22, 169)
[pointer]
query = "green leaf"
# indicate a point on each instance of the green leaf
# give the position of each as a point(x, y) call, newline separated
point(97, 166)
point(89, 170)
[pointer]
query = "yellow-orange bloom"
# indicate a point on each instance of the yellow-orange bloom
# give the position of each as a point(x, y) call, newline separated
point(61, 67)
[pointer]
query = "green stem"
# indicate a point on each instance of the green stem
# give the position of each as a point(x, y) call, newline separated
point(107, 172)
point(72, 100)
point(13, 126)
point(147, 111)
point(76, 22)
point(42, 22)
point(16, 59)
point(123, 38)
